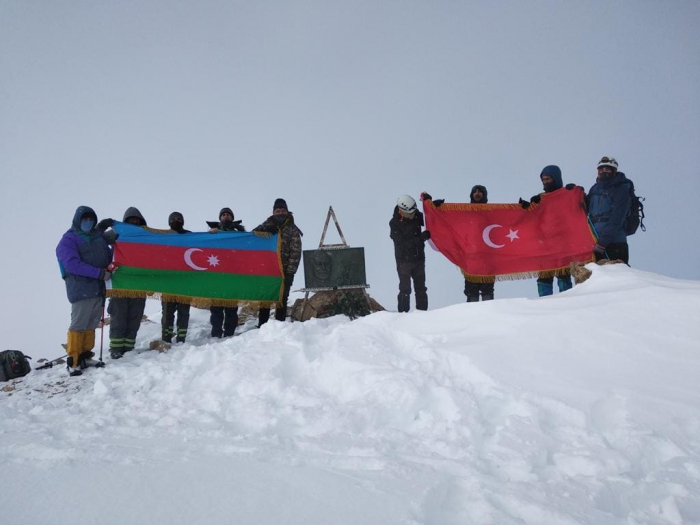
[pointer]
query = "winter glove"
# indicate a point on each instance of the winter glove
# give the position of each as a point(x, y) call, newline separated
point(439, 202)
point(105, 275)
point(524, 204)
point(536, 199)
point(288, 279)
point(426, 196)
point(600, 250)
point(104, 224)
point(570, 186)
point(425, 235)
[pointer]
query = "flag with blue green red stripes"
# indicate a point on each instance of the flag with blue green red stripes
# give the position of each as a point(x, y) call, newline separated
point(202, 269)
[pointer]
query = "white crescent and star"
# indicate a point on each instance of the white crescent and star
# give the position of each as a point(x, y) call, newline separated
point(213, 260)
point(486, 235)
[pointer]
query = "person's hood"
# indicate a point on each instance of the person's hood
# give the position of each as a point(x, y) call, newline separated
point(483, 190)
point(134, 212)
point(554, 172)
point(80, 212)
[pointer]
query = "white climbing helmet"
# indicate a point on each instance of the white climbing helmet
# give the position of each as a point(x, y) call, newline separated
point(406, 203)
point(609, 162)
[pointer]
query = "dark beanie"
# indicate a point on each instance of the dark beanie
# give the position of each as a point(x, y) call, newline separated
point(176, 216)
point(226, 210)
point(280, 203)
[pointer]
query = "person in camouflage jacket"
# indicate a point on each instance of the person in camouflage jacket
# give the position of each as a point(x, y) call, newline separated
point(282, 222)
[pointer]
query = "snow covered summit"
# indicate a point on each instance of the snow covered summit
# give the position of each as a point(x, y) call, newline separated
point(580, 408)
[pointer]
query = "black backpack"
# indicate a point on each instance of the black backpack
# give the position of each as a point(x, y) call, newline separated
point(13, 363)
point(635, 215)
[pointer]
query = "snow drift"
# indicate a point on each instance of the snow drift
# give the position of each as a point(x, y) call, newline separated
point(580, 408)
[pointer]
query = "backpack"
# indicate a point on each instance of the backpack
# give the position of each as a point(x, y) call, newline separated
point(635, 215)
point(13, 363)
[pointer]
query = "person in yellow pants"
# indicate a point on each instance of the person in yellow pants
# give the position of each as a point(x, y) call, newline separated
point(83, 254)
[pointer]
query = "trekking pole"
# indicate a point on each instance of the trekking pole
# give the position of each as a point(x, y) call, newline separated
point(101, 364)
point(164, 321)
point(49, 364)
point(595, 232)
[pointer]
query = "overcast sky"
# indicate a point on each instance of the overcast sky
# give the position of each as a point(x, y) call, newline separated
point(192, 106)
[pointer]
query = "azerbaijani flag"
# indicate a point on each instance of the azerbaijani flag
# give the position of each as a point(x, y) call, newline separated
point(508, 242)
point(203, 269)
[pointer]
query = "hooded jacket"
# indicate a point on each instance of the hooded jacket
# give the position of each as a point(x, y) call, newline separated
point(82, 257)
point(134, 212)
point(408, 245)
point(608, 204)
point(555, 173)
point(483, 190)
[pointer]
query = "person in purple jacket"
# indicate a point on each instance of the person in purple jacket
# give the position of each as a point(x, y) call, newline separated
point(84, 253)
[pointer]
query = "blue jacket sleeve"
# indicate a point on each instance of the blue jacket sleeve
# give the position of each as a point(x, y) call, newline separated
point(69, 259)
point(621, 201)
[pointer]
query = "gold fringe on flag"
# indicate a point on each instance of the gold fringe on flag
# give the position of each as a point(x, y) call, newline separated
point(197, 302)
point(156, 230)
point(564, 271)
point(454, 206)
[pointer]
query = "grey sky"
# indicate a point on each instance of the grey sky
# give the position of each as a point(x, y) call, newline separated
point(192, 106)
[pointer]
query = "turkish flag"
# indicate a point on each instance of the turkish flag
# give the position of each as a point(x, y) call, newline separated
point(487, 240)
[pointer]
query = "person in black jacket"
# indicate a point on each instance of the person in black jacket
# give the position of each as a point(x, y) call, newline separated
point(224, 319)
point(176, 222)
point(125, 313)
point(409, 250)
point(479, 195)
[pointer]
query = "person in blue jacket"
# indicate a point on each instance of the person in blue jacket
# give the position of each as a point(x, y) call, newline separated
point(609, 202)
point(83, 254)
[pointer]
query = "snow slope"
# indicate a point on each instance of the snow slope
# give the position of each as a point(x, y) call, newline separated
point(581, 408)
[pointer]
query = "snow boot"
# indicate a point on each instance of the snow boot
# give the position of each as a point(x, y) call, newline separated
point(72, 371)
point(564, 283)
point(421, 301)
point(404, 302)
point(74, 347)
point(544, 288)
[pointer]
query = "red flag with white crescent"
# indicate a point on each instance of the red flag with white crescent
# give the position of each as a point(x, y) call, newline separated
point(507, 241)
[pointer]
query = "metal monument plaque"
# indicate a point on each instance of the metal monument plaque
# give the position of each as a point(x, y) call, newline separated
point(333, 269)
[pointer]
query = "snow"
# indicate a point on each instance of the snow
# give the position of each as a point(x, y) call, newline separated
point(580, 408)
